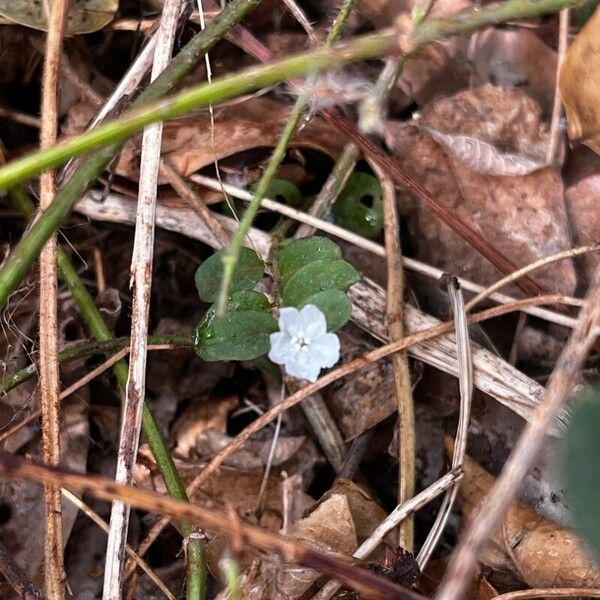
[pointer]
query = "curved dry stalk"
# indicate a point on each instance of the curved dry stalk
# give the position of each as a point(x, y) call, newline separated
point(343, 371)
point(396, 331)
point(49, 372)
point(141, 284)
point(139, 561)
point(399, 514)
point(560, 386)
point(465, 381)
point(538, 264)
point(286, 549)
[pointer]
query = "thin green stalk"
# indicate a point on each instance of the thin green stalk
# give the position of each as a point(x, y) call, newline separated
point(99, 329)
point(195, 566)
point(28, 249)
point(231, 255)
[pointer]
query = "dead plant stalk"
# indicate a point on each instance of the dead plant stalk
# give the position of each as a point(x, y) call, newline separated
point(141, 284)
point(49, 372)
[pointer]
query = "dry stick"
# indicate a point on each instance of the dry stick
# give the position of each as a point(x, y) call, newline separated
point(550, 593)
point(19, 117)
point(140, 562)
point(465, 380)
point(557, 108)
point(312, 223)
point(16, 577)
point(542, 262)
point(49, 372)
point(560, 385)
point(343, 371)
point(396, 331)
point(287, 549)
point(398, 515)
point(141, 284)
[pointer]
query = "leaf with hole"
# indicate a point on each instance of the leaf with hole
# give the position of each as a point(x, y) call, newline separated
point(359, 207)
point(84, 16)
point(301, 252)
point(335, 305)
point(209, 275)
point(285, 192)
point(318, 276)
point(240, 335)
point(581, 467)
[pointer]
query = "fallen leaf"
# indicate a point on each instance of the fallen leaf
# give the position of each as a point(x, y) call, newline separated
point(523, 216)
point(188, 144)
point(84, 16)
point(201, 414)
point(579, 85)
point(540, 552)
point(517, 58)
point(429, 581)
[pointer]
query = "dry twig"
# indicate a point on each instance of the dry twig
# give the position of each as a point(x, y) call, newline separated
point(49, 372)
point(141, 283)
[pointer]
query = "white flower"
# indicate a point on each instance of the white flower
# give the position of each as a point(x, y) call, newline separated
point(303, 345)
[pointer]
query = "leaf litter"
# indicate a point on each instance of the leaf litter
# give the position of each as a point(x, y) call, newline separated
point(469, 119)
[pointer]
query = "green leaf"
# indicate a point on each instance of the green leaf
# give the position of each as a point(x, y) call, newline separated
point(581, 467)
point(335, 305)
point(359, 207)
point(248, 300)
point(209, 274)
point(318, 276)
point(241, 335)
point(301, 252)
point(285, 192)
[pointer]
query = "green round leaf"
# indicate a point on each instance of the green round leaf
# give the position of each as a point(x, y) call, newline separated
point(581, 467)
point(248, 300)
point(285, 192)
point(359, 207)
point(301, 252)
point(209, 274)
point(335, 305)
point(318, 276)
point(84, 16)
point(241, 335)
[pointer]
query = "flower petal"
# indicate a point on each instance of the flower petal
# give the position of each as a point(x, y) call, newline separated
point(313, 321)
point(290, 321)
point(326, 349)
point(281, 347)
point(303, 366)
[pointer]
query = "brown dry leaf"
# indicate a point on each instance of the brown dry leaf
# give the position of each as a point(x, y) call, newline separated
point(202, 414)
point(493, 130)
point(580, 87)
point(524, 217)
point(329, 527)
point(188, 146)
point(540, 552)
point(364, 399)
point(517, 58)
